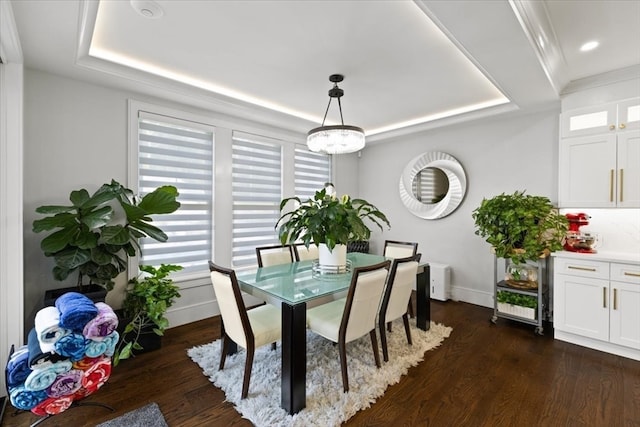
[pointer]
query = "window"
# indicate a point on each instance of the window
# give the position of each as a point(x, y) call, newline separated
point(256, 193)
point(179, 153)
point(312, 171)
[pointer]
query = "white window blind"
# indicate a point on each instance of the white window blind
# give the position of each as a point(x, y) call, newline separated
point(256, 193)
point(312, 171)
point(179, 153)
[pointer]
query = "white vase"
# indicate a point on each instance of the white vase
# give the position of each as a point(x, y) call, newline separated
point(336, 258)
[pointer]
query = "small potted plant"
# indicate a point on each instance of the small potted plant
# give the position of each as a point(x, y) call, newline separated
point(517, 304)
point(148, 297)
point(93, 239)
point(520, 227)
point(329, 222)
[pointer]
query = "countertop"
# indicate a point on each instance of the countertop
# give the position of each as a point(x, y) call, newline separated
point(609, 256)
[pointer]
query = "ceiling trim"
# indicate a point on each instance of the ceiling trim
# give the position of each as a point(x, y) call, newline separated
point(533, 16)
point(610, 77)
point(10, 49)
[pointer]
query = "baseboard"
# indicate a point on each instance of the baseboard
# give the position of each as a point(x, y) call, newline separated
point(472, 296)
point(597, 345)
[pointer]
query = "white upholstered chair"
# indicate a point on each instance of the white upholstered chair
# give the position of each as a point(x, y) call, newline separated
point(302, 253)
point(274, 255)
point(350, 318)
point(249, 329)
point(395, 300)
point(398, 249)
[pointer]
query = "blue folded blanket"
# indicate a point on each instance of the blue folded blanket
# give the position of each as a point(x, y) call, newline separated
point(18, 367)
point(73, 346)
point(40, 379)
point(24, 399)
point(106, 347)
point(37, 358)
point(76, 310)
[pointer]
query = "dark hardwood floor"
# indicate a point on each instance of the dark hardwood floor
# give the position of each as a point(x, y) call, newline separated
point(483, 375)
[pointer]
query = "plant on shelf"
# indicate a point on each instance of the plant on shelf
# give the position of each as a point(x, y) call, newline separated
point(513, 298)
point(520, 227)
point(328, 219)
point(94, 239)
point(147, 299)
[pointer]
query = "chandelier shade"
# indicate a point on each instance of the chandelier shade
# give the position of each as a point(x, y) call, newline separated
point(335, 139)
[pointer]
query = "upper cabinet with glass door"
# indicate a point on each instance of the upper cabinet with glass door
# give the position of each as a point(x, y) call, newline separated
point(599, 159)
point(606, 118)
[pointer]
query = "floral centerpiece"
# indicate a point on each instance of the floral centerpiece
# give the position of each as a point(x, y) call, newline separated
point(328, 221)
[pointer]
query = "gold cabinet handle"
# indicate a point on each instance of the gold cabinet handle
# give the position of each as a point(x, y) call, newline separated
point(612, 127)
point(621, 184)
point(626, 273)
point(604, 297)
point(571, 267)
point(622, 126)
point(615, 299)
point(611, 185)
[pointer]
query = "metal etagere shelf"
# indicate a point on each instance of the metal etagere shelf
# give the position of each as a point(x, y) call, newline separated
point(541, 292)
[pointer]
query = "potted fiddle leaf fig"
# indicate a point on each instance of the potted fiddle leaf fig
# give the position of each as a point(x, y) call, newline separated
point(96, 234)
point(147, 299)
point(519, 226)
point(328, 221)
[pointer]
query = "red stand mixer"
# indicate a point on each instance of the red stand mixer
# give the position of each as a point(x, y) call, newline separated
point(577, 241)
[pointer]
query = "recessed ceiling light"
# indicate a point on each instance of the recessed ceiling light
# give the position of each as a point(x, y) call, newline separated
point(147, 8)
point(589, 46)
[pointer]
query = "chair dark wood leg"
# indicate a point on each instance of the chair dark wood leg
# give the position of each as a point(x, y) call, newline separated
point(273, 346)
point(389, 326)
point(374, 344)
point(383, 340)
point(247, 371)
point(343, 365)
point(405, 319)
point(410, 309)
point(223, 354)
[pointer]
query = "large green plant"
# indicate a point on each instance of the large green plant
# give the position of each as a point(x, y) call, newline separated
point(88, 237)
point(146, 302)
point(520, 227)
point(328, 219)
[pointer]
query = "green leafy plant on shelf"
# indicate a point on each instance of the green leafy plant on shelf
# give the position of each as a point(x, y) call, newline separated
point(147, 299)
point(513, 298)
point(519, 226)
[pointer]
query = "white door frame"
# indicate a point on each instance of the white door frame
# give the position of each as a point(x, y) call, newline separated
point(11, 188)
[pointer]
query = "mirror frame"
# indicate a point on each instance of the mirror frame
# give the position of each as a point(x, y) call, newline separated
point(457, 185)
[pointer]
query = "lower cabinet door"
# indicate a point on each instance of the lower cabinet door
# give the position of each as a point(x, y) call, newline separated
point(625, 314)
point(582, 306)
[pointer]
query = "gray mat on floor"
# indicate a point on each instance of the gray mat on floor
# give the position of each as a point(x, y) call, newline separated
point(149, 415)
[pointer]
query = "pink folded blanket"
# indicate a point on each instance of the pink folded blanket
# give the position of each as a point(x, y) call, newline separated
point(102, 325)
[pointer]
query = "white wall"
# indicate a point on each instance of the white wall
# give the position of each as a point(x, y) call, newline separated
point(504, 154)
point(76, 137)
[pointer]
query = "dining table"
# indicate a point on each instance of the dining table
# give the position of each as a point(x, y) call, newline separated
point(297, 286)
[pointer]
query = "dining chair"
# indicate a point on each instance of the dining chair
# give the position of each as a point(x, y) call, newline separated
point(398, 249)
point(352, 317)
point(249, 329)
point(396, 297)
point(302, 253)
point(274, 255)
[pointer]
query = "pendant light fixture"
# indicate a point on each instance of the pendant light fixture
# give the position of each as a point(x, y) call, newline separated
point(337, 139)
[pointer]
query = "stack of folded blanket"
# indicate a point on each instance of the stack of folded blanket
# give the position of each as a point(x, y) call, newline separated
point(67, 356)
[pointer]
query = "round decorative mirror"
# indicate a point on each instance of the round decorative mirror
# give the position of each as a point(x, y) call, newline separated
point(433, 185)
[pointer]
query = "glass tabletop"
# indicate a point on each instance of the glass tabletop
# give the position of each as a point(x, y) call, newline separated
point(294, 283)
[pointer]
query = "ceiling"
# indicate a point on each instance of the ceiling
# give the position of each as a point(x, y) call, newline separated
point(408, 65)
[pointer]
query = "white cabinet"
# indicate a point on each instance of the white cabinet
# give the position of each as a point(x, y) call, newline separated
point(597, 305)
point(606, 118)
point(599, 163)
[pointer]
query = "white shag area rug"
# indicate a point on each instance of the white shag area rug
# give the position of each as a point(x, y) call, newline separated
point(326, 403)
